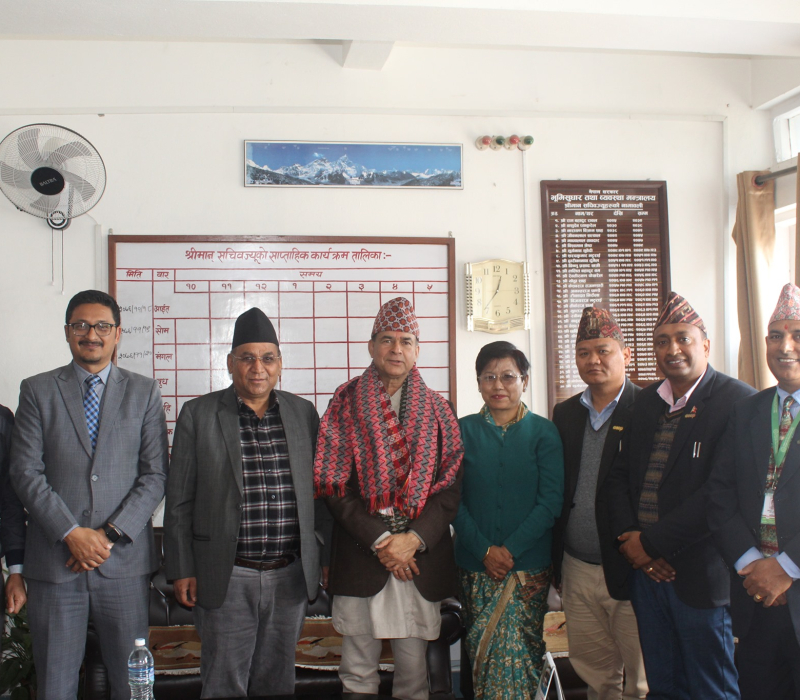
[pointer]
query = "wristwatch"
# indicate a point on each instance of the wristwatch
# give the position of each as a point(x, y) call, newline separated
point(112, 532)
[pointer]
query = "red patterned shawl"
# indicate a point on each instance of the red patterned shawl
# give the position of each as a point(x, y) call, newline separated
point(396, 463)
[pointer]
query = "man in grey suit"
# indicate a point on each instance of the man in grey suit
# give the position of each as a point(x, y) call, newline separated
point(89, 462)
point(239, 524)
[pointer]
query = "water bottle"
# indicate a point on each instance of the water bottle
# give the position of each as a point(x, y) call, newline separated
point(141, 671)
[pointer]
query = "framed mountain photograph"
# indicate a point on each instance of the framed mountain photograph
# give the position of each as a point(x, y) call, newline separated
point(308, 164)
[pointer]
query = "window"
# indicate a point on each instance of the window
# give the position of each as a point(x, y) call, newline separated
point(786, 130)
point(794, 135)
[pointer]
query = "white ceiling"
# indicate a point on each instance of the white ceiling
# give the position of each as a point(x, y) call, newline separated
point(731, 27)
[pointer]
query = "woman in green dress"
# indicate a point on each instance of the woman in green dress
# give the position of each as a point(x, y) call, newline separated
point(511, 495)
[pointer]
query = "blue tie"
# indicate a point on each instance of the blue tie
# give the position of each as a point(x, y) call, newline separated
point(91, 407)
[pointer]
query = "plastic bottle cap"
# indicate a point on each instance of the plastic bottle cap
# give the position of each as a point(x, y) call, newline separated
point(139, 643)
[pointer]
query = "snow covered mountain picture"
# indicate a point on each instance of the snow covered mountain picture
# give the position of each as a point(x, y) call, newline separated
point(305, 164)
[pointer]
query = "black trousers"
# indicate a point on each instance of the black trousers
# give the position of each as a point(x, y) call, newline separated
point(768, 657)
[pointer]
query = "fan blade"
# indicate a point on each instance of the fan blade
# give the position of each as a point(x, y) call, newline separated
point(21, 179)
point(67, 151)
point(45, 203)
point(28, 144)
point(85, 189)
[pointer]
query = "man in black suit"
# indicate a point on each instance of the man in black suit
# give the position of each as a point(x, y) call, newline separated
point(602, 630)
point(754, 516)
point(12, 524)
point(658, 488)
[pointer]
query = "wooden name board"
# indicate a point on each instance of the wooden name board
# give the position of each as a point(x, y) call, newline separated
point(605, 242)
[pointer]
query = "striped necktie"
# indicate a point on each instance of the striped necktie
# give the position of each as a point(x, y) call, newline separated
point(774, 472)
point(91, 407)
point(786, 418)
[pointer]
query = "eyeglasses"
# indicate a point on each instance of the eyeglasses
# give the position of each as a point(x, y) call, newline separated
point(507, 378)
point(81, 328)
point(250, 360)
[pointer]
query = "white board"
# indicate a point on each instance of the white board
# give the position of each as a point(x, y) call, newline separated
point(180, 297)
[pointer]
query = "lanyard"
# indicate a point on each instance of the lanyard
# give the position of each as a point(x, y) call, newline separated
point(780, 452)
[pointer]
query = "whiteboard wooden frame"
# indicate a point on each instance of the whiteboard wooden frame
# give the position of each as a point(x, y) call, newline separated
point(148, 250)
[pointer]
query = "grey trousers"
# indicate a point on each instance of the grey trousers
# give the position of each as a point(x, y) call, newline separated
point(358, 669)
point(59, 613)
point(249, 642)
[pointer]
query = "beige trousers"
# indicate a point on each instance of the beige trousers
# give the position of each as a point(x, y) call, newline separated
point(603, 635)
point(358, 669)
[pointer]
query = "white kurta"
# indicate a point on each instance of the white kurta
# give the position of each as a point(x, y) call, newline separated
point(397, 612)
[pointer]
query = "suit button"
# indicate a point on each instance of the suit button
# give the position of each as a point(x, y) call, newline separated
point(95, 477)
point(233, 538)
point(87, 513)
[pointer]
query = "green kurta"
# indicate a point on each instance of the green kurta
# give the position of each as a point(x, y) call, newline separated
point(512, 492)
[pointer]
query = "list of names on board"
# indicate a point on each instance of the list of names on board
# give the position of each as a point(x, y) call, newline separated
point(605, 242)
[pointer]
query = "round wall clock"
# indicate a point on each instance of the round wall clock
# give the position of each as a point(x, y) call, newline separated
point(498, 299)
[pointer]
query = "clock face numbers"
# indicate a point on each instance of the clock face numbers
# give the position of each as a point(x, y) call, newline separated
point(498, 296)
point(499, 293)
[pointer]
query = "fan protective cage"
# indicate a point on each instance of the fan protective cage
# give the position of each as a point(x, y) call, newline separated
point(44, 148)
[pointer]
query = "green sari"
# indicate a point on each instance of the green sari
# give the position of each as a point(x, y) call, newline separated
point(504, 621)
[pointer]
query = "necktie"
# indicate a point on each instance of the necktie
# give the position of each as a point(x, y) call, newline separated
point(91, 407)
point(774, 471)
point(769, 533)
point(786, 419)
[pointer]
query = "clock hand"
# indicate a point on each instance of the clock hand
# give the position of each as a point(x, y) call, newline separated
point(499, 282)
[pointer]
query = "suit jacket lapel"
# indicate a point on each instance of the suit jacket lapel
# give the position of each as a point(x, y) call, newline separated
point(289, 420)
point(792, 463)
point(113, 394)
point(572, 461)
point(228, 415)
point(73, 400)
point(302, 476)
point(615, 429)
point(654, 407)
point(761, 436)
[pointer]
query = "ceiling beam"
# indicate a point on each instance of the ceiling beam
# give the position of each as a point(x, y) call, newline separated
point(774, 80)
point(366, 55)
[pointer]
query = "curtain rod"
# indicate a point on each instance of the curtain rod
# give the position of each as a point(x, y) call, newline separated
point(761, 179)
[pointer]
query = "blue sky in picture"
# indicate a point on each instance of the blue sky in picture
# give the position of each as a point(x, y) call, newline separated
point(413, 157)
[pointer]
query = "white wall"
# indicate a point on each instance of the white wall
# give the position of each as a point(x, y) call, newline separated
point(176, 115)
point(775, 79)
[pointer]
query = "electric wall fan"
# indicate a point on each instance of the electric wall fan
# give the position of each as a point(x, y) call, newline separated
point(51, 172)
